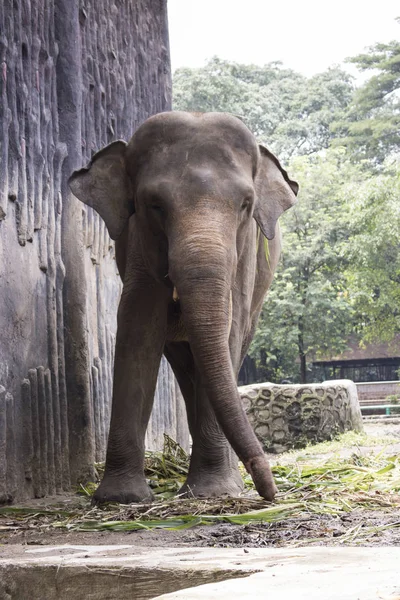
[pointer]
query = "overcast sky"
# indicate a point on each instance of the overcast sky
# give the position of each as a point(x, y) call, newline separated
point(306, 35)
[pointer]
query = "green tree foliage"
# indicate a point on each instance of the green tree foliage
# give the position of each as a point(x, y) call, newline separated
point(373, 255)
point(371, 128)
point(288, 112)
point(307, 313)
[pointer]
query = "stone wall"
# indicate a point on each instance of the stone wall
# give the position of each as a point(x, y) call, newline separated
point(292, 416)
point(75, 75)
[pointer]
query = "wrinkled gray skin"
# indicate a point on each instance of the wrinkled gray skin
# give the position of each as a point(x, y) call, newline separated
point(185, 201)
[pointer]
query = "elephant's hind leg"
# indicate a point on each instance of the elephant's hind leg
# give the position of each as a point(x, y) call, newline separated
point(213, 467)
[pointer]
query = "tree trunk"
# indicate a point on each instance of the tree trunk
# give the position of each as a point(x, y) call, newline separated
point(302, 354)
point(303, 368)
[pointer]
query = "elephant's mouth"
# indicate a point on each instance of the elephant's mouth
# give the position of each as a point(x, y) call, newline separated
point(176, 331)
point(169, 283)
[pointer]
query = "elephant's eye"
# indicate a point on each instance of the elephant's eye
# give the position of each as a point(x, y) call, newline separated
point(157, 209)
point(246, 204)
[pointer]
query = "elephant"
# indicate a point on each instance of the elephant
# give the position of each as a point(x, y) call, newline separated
point(192, 202)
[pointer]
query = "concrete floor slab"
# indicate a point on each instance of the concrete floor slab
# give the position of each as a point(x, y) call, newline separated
point(312, 574)
point(103, 572)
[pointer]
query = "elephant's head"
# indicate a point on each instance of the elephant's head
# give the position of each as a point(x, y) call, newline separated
point(196, 184)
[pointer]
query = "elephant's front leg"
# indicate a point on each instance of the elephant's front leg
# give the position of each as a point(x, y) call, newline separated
point(213, 469)
point(140, 340)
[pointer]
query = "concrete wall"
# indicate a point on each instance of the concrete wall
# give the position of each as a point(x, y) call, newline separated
point(377, 390)
point(75, 75)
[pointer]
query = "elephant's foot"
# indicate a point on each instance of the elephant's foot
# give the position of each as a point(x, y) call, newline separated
point(122, 490)
point(211, 485)
point(260, 471)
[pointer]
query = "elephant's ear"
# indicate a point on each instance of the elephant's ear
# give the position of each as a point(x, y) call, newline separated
point(104, 185)
point(275, 192)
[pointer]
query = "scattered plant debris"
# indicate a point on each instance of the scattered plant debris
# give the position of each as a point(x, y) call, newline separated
point(313, 494)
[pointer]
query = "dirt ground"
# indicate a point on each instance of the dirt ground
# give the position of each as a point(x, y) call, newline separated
point(357, 527)
point(262, 535)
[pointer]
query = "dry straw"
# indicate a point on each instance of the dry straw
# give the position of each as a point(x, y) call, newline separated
point(309, 488)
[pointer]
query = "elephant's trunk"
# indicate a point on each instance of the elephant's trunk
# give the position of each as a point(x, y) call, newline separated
point(204, 280)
